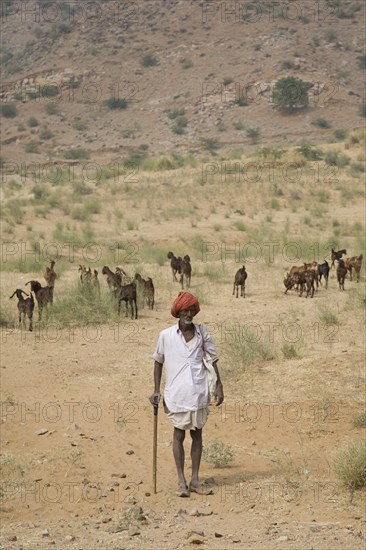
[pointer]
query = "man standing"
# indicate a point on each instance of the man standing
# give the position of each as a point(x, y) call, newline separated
point(182, 348)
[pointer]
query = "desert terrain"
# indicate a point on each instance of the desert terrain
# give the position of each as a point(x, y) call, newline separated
point(188, 169)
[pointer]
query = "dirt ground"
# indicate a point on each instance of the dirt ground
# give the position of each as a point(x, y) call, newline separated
point(87, 389)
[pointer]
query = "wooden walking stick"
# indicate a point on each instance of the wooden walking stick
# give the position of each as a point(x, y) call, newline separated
point(155, 442)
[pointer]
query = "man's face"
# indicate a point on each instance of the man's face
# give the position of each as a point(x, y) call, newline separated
point(186, 315)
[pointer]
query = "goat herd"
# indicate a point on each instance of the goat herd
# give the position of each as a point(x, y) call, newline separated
point(307, 275)
point(126, 289)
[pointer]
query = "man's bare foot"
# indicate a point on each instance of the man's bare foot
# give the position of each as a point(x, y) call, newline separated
point(183, 490)
point(201, 489)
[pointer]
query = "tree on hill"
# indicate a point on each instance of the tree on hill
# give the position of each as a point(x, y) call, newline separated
point(291, 92)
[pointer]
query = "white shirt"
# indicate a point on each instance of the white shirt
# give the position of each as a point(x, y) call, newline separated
point(186, 386)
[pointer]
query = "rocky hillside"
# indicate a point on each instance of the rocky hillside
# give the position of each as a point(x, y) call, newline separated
point(161, 76)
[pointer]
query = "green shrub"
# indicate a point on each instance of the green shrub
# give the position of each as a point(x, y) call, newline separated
point(241, 101)
point(210, 144)
point(176, 112)
point(253, 134)
point(290, 92)
point(180, 123)
point(116, 103)
point(227, 80)
point(289, 351)
point(32, 122)
point(218, 454)
point(40, 191)
point(334, 158)
point(287, 64)
point(52, 109)
point(186, 63)
point(238, 125)
point(349, 465)
point(32, 147)
point(361, 62)
point(240, 226)
point(8, 110)
point(78, 153)
point(79, 125)
point(45, 134)
point(330, 34)
point(357, 167)
point(362, 109)
point(149, 61)
point(322, 122)
point(327, 316)
point(340, 134)
point(50, 90)
point(359, 421)
point(308, 151)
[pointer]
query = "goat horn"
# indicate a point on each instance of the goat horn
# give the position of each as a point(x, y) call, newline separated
point(27, 283)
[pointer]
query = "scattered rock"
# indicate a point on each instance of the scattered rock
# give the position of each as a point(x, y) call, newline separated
point(12, 538)
point(69, 538)
point(196, 539)
point(130, 452)
point(218, 535)
point(193, 512)
point(45, 533)
point(42, 431)
point(106, 519)
point(133, 530)
point(282, 538)
point(204, 512)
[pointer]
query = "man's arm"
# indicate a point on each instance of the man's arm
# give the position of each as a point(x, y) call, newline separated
point(158, 370)
point(219, 390)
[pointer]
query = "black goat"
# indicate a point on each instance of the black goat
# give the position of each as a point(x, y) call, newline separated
point(43, 295)
point(240, 278)
point(25, 307)
point(186, 271)
point(337, 255)
point(175, 264)
point(323, 271)
point(127, 294)
point(341, 273)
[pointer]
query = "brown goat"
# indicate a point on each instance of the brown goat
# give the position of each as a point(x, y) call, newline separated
point(50, 278)
point(25, 307)
point(42, 294)
point(240, 278)
point(175, 264)
point(125, 279)
point(354, 263)
point(305, 279)
point(300, 279)
point(185, 271)
point(114, 280)
point(341, 273)
point(313, 266)
point(148, 290)
point(85, 274)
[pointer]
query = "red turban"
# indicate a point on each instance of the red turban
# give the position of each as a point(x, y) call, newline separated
point(184, 300)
